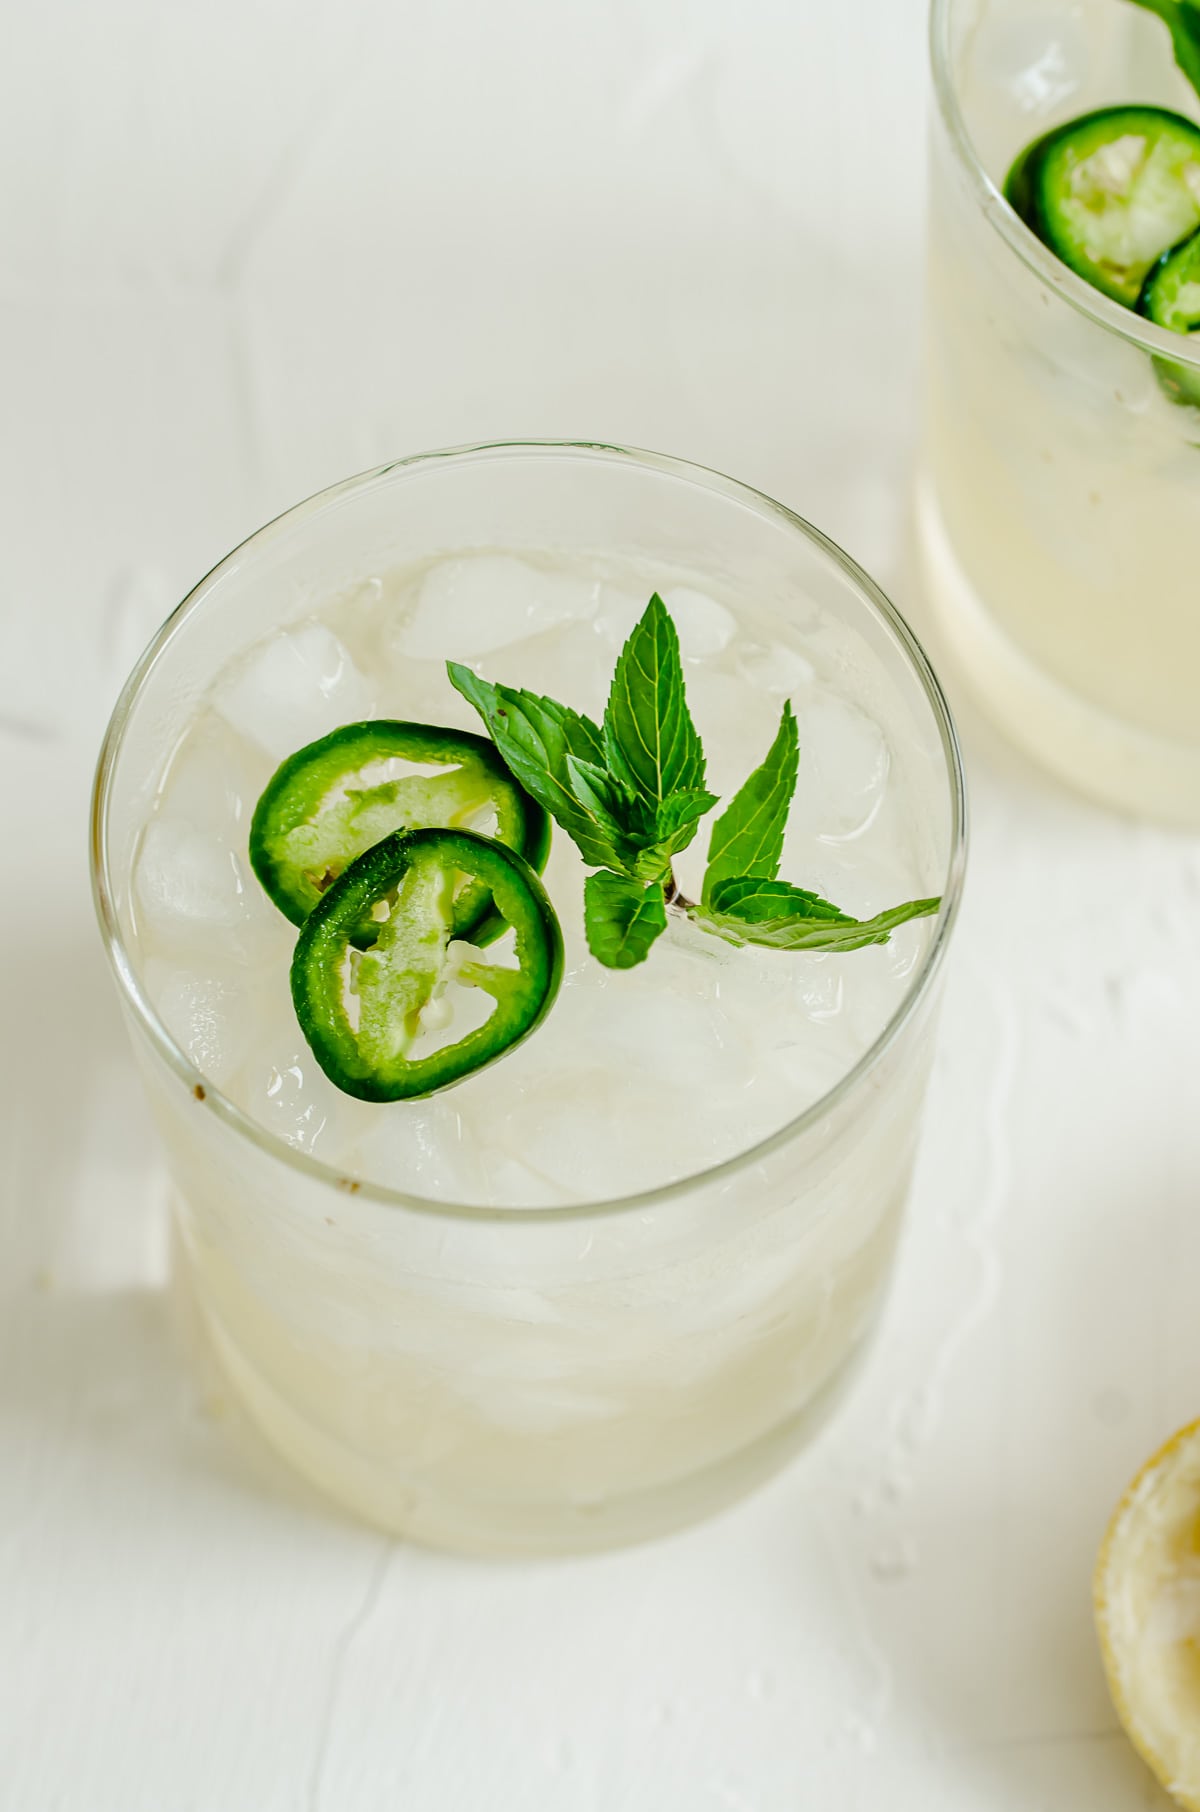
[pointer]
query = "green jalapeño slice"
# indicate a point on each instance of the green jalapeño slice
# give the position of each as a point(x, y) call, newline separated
point(335, 799)
point(1171, 299)
point(373, 1017)
point(1110, 192)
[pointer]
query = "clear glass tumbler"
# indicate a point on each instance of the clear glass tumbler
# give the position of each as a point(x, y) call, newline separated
point(528, 1380)
point(1059, 502)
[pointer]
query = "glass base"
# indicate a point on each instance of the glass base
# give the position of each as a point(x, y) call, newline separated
point(1099, 755)
point(507, 1527)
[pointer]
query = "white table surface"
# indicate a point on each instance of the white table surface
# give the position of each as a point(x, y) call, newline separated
point(247, 248)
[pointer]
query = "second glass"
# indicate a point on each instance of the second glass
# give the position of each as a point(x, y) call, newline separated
point(1059, 507)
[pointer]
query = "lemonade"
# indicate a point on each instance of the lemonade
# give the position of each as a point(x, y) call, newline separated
point(601, 1285)
point(1060, 497)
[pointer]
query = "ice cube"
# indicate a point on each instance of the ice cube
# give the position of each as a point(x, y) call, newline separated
point(214, 780)
point(778, 669)
point(474, 604)
point(817, 982)
point(844, 767)
point(874, 990)
point(736, 725)
point(572, 1142)
point(571, 664)
point(191, 884)
point(288, 1093)
point(187, 877)
point(616, 613)
point(212, 1017)
point(421, 1147)
point(705, 627)
point(296, 686)
point(1038, 56)
point(664, 1018)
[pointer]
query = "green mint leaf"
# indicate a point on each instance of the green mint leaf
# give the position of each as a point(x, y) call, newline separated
point(756, 909)
point(678, 818)
point(747, 838)
point(599, 797)
point(622, 918)
point(673, 827)
point(760, 898)
point(536, 737)
point(651, 744)
point(1182, 20)
point(634, 819)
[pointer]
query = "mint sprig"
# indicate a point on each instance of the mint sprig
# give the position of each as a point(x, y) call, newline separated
point(650, 741)
point(631, 795)
point(747, 839)
point(1182, 20)
point(777, 915)
point(539, 740)
point(622, 918)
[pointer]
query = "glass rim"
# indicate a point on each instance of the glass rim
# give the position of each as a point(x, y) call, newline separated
point(241, 1122)
point(1183, 349)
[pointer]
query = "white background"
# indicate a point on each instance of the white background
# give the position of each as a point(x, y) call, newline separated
point(245, 249)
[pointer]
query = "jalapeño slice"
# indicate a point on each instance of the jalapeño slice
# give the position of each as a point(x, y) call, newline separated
point(1171, 299)
point(365, 1014)
point(1110, 192)
point(335, 799)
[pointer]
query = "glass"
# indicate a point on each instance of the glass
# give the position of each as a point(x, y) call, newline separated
point(525, 1380)
point(1059, 506)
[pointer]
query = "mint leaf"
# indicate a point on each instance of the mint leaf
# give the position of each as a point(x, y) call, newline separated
point(605, 803)
point(747, 838)
point(650, 741)
point(537, 737)
point(631, 817)
point(678, 818)
point(673, 827)
point(1182, 20)
point(759, 899)
point(756, 909)
point(622, 918)
point(577, 734)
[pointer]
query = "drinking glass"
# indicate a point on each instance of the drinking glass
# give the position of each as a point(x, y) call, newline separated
point(524, 1380)
point(1059, 500)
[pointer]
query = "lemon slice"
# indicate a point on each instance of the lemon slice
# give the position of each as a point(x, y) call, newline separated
point(1147, 1597)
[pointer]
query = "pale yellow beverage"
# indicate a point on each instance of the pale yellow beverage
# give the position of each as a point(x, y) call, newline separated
point(603, 1286)
point(1059, 501)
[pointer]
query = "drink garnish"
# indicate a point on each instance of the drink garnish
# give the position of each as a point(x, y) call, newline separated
point(1115, 194)
point(631, 794)
point(397, 895)
point(1182, 20)
point(332, 801)
point(1171, 299)
point(364, 1012)
point(1110, 192)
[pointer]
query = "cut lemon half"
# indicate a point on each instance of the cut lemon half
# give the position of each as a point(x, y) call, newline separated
point(1147, 1597)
